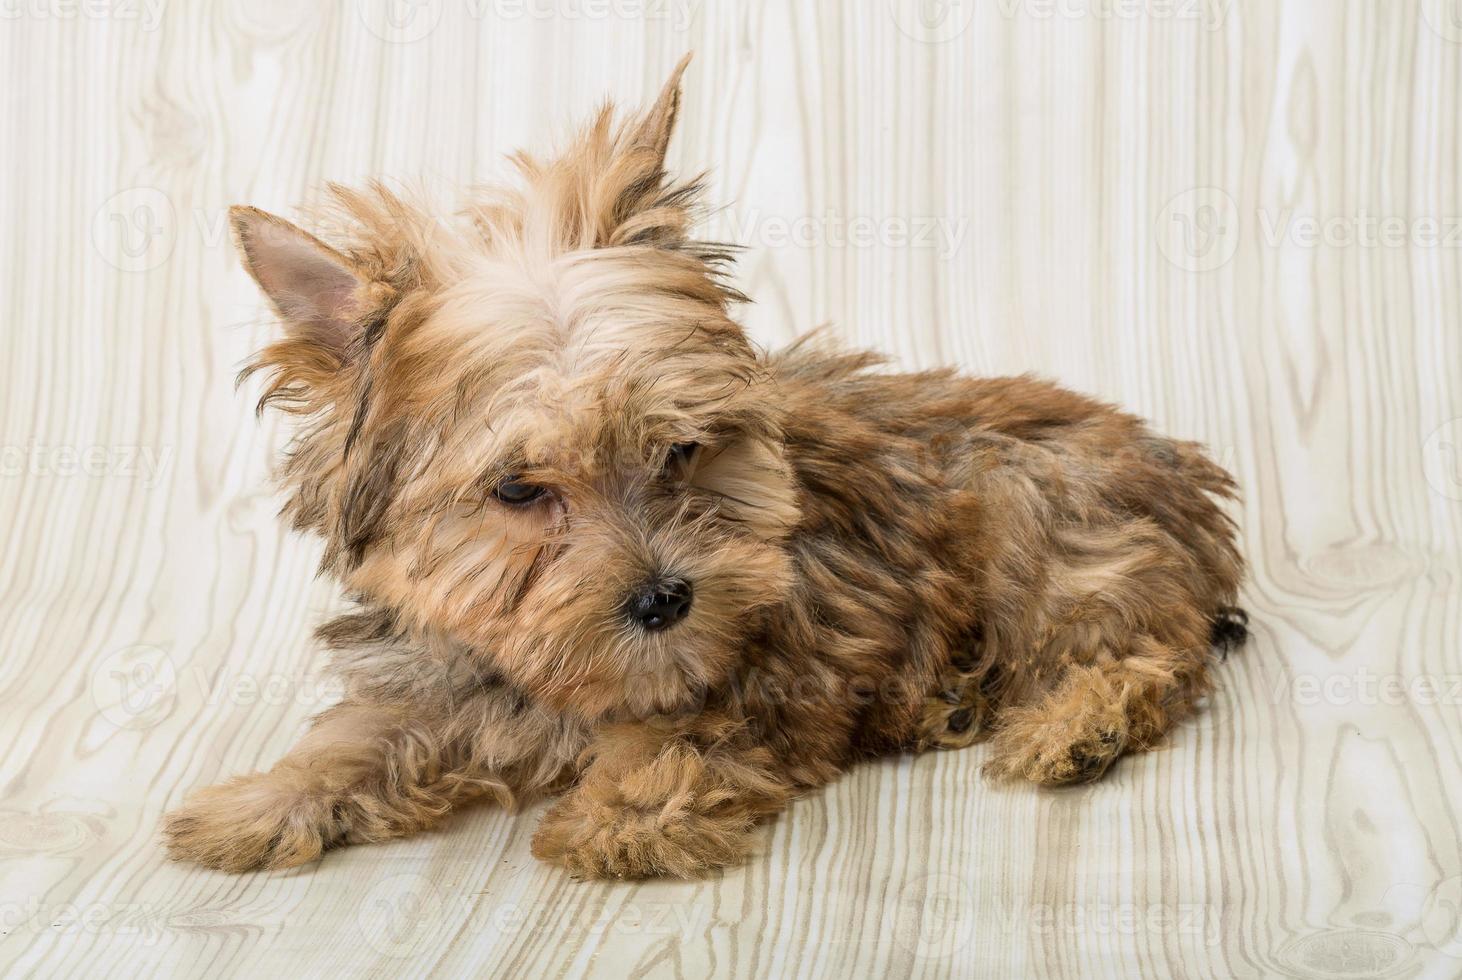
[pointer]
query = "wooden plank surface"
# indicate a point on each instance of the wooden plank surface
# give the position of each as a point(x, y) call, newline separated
point(1239, 218)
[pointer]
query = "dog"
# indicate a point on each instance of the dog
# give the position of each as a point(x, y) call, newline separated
point(604, 548)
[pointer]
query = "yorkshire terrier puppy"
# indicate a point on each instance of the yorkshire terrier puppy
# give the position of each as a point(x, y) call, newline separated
point(604, 547)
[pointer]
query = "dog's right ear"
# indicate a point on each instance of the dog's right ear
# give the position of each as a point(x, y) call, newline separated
point(316, 290)
point(658, 123)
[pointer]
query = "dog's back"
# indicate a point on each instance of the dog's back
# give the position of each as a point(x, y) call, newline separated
point(1100, 564)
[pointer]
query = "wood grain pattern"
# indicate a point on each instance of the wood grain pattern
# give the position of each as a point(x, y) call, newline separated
point(1238, 218)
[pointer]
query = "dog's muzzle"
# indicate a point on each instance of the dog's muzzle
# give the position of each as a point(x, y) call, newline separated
point(660, 604)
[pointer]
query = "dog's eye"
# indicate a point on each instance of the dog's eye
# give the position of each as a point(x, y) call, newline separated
point(680, 454)
point(512, 491)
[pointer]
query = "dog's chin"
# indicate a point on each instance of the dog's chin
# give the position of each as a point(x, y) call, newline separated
point(619, 673)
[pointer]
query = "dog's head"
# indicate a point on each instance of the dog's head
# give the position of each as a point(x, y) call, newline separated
point(534, 426)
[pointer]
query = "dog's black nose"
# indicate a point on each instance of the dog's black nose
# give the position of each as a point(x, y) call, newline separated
point(663, 603)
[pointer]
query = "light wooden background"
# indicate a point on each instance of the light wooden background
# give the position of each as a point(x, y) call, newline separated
point(1181, 205)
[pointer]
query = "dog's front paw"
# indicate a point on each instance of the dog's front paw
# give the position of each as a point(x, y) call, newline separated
point(257, 821)
point(599, 841)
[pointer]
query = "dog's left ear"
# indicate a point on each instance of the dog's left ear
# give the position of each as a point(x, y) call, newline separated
point(313, 288)
point(655, 128)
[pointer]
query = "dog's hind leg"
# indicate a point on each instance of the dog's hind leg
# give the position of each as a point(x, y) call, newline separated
point(368, 772)
point(1096, 711)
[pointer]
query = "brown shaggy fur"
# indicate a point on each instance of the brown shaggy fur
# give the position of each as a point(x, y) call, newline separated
point(879, 561)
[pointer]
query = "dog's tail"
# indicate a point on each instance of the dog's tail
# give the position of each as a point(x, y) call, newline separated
point(1228, 630)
